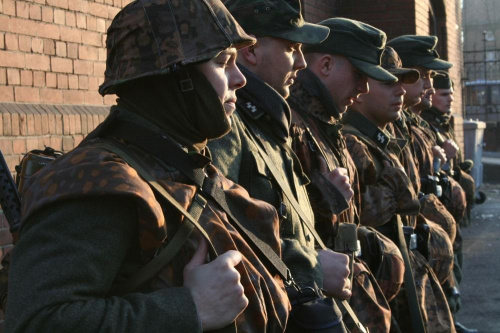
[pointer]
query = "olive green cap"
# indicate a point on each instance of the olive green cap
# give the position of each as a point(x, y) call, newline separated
point(391, 62)
point(361, 43)
point(276, 18)
point(442, 81)
point(419, 51)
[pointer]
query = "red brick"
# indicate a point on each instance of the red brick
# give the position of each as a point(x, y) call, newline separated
point(7, 121)
point(93, 98)
point(62, 81)
point(11, 42)
point(78, 139)
point(2, 40)
point(110, 99)
point(9, 7)
point(6, 94)
point(47, 30)
point(35, 12)
point(99, 68)
point(101, 25)
point(51, 79)
point(83, 82)
point(61, 49)
point(38, 125)
point(48, 47)
point(91, 23)
point(30, 125)
point(58, 124)
point(87, 52)
point(38, 62)
point(6, 146)
point(3, 77)
point(73, 97)
point(71, 35)
point(117, 3)
point(32, 143)
point(13, 77)
point(101, 54)
point(93, 83)
point(37, 45)
point(70, 19)
point(81, 21)
point(45, 124)
point(112, 11)
point(109, 2)
point(98, 10)
point(73, 82)
point(15, 121)
point(79, 5)
point(47, 14)
point(27, 94)
point(58, 3)
point(44, 141)
point(72, 51)
point(19, 146)
point(59, 16)
point(26, 78)
point(24, 43)
point(11, 59)
point(22, 9)
point(22, 26)
point(83, 67)
point(61, 65)
point(56, 142)
point(91, 38)
point(51, 96)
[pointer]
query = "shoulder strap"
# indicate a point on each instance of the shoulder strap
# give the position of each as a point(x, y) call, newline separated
point(287, 192)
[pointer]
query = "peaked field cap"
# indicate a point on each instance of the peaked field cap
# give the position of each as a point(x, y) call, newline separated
point(153, 37)
point(442, 80)
point(276, 18)
point(391, 62)
point(419, 51)
point(361, 43)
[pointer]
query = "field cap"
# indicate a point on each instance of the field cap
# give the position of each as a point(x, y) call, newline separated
point(419, 51)
point(361, 43)
point(442, 80)
point(276, 18)
point(392, 63)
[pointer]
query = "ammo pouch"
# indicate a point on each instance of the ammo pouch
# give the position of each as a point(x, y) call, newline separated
point(32, 162)
point(346, 240)
point(312, 311)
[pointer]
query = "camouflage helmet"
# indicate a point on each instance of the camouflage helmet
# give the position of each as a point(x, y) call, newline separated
point(152, 37)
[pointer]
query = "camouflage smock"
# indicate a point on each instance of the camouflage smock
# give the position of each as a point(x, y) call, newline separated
point(312, 126)
point(88, 171)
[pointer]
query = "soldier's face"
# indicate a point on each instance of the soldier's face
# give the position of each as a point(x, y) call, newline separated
point(443, 100)
point(384, 102)
point(416, 92)
point(346, 83)
point(277, 63)
point(225, 78)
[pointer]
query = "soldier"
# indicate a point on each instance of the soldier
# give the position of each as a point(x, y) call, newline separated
point(376, 154)
point(257, 153)
point(318, 98)
point(92, 226)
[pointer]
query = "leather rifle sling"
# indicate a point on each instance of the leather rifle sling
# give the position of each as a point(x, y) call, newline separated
point(296, 206)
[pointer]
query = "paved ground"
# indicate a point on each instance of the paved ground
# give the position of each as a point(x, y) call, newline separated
point(481, 283)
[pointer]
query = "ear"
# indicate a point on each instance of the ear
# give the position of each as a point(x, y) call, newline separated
point(325, 63)
point(248, 55)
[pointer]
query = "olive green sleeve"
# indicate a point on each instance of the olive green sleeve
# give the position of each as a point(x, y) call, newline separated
point(62, 268)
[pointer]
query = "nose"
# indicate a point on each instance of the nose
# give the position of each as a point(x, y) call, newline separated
point(451, 98)
point(299, 61)
point(236, 79)
point(427, 83)
point(400, 91)
point(362, 84)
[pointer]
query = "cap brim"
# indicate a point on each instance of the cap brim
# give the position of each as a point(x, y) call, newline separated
point(309, 33)
point(375, 72)
point(436, 64)
point(407, 75)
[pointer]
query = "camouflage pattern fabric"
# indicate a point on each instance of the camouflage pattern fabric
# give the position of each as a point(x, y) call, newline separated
point(88, 171)
point(152, 37)
point(312, 138)
point(431, 208)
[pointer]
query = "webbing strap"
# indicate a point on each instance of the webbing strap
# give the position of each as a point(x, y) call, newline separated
point(282, 183)
point(165, 149)
point(409, 283)
point(153, 267)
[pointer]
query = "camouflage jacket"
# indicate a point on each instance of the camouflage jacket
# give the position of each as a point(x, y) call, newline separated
point(385, 189)
point(237, 157)
point(91, 172)
point(316, 135)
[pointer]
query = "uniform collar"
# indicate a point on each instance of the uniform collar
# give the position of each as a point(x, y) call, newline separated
point(365, 126)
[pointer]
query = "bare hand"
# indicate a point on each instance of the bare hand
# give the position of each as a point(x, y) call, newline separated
point(451, 148)
point(339, 178)
point(215, 287)
point(439, 152)
point(335, 274)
